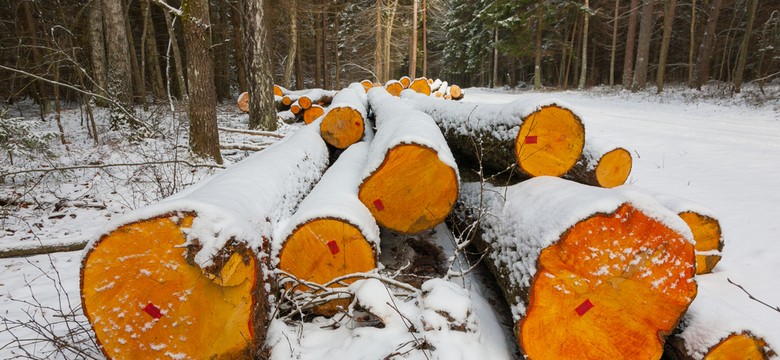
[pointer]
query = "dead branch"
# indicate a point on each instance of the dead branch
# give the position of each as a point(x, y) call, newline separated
point(251, 132)
point(775, 308)
point(43, 249)
point(103, 166)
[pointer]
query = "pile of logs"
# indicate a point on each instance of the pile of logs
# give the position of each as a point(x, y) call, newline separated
point(591, 268)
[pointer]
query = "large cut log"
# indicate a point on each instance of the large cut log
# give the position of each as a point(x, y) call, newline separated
point(411, 181)
point(539, 134)
point(344, 122)
point(313, 113)
point(722, 324)
point(703, 223)
point(184, 278)
point(602, 163)
point(332, 233)
point(589, 273)
point(421, 86)
point(394, 87)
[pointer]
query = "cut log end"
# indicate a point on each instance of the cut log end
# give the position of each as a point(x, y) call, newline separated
point(305, 102)
point(342, 127)
point(367, 84)
point(739, 346)
point(287, 100)
point(613, 168)
point(243, 102)
point(323, 249)
point(455, 92)
point(412, 191)
point(421, 86)
point(709, 242)
point(278, 91)
point(405, 81)
point(394, 88)
point(550, 142)
point(312, 114)
point(295, 108)
point(615, 299)
point(141, 295)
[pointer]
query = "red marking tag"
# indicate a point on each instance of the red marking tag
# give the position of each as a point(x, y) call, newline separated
point(378, 205)
point(334, 248)
point(357, 123)
point(153, 311)
point(584, 307)
point(531, 139)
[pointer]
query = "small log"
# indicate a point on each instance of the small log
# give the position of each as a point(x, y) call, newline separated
point(344, 122)
point(600, 273)
point(421, 86)
point(280, 91)
point(367, 85)
point(243, 102)
point(332, 233)
point(455, 92)
point(316, 96)
point(312, 113)
point(411, 180)
point(184, 276)
point(539, 134)
point(736, 346)
point(602, 164)
point(296, 108)
point(405, 81)
point(394, 87)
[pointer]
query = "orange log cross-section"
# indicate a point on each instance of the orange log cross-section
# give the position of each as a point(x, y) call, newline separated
point(601, 164)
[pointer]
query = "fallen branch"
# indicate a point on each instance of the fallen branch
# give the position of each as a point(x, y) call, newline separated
point(245, 147)
point(251, 132)
point(43, 249)
point(775, 308)
point(102, 166)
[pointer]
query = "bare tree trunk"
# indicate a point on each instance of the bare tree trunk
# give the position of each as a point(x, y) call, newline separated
point(153, 56)
point(388, 39)
point(298, 65)
point(614, 44)
point(538, 52)
point(669, 8)
point(583, 71)
point(743, 49)
point(425, 38)
point(692, 42)
point(238, 46)
point(293, 43)
point(324, 38)
point(98, 53)
point(643, 48)
point(174, 43)
point(262, 113)
point(494, 82)
point(570, 53)
point(702, 71)
point(119, 73)
point(139, 91)
point(39, 92)
point(318, 49)
point(628, 60)
point(413, 45)
point(379, 50)
point(337, 37)
point(204, 137)
point(145, 26)
point(220, 38)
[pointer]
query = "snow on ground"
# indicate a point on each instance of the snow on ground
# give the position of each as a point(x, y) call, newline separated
point(721, 153)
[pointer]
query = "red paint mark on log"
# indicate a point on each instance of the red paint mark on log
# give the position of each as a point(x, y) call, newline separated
point(334, 248)
point(584, 307)
point(378, 205)
point(357, 123)
point(153, 311)
point(531, 139)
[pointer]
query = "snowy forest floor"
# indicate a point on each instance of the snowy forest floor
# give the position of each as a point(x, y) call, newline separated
point(715, 149)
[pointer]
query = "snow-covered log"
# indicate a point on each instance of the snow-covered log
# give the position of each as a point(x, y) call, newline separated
point(411, 180)
point(538, 133)
point(243, 102)
point(280, 91)
point(344, 122)
point(394, 87)
point(316, 96)
point(713, 329)
point(589, 273)
point(421, 86)
point(184, 276)
point(312, 113)
point(331, 233)
point(296, 108)
point(454, 92)
point(702, 221)
point(405, 81)
point(367, 85)
point(602, 163)
point(435, 85)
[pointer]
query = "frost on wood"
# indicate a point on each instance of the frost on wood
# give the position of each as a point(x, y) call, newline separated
point(332, 233)
point(603, 271)
point(411, 180)
point(540, 134)
point(184, 275)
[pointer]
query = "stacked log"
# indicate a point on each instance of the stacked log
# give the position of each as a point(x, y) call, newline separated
point(332, 233)
point(454, 92)
point(600, 273)
point(394, 87)
point(421, 86)
point(602, 164)
point(316, 96)
point(367, 85)
point(411, 180)
point(541, 135)
point(344, 122)
point(280, 91)
point(185, 277)
point(313, 113)
point(405, 81)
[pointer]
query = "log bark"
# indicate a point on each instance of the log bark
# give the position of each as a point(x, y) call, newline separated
point(594, 263)
point(332, 233)
point(602, 164)
point(185, 275)
point(539, 134)
point(344, 122)
point(411, 180)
